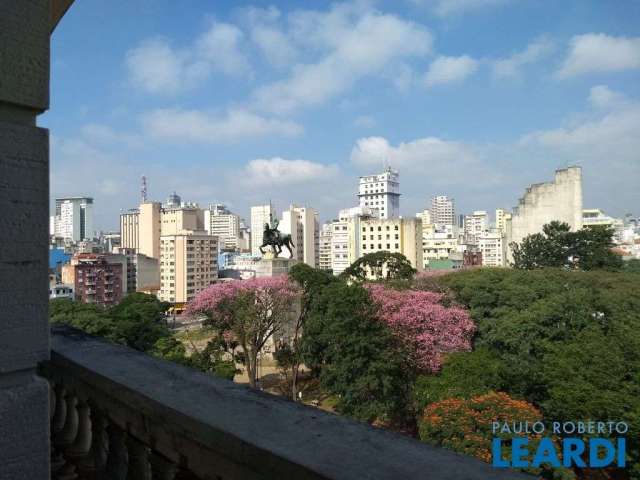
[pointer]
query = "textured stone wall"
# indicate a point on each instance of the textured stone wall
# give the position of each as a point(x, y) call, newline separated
point(542, 203)
point(24, 198)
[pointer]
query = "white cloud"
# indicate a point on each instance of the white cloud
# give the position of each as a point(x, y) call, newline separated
point(353, 43)
point(597, 52)
point(364, 121)
point(536, 50)
point(444, 8)
point(156, 67)
point(602, 96)
point(274, 44)
point(613, 138)
point(220, 46)
point(445, 70)
point(278, 171)
point(449, 162)
point(104, 135)
point(198, 126)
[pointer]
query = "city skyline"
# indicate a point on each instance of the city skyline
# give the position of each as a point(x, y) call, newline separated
point(474, 103)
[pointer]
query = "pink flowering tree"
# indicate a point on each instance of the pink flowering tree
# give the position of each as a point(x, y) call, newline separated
point(250, 311)
point(429, 329)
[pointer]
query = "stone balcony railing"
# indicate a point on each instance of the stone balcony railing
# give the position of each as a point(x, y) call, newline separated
point(120, 414)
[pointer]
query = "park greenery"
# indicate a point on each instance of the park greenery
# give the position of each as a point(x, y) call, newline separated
point(434, 355)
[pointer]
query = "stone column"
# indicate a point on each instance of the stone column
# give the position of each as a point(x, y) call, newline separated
point(25, 27)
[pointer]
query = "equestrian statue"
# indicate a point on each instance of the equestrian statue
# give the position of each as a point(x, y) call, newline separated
point(271, 237)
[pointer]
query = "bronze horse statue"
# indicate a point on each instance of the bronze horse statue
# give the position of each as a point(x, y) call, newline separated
point(272, 237)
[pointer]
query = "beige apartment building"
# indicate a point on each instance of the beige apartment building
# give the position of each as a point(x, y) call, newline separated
point(130, 229)
point(395, 235)
point(188, 264)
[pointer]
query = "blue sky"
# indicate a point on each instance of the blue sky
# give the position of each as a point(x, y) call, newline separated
point(292, 101)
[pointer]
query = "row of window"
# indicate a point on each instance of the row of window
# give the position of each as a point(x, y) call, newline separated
point(388, 228)
point(372, 247)
point(364, 237)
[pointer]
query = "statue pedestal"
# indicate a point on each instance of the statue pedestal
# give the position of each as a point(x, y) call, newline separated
point(272, 267)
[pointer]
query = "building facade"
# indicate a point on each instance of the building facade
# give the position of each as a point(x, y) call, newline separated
point(188, 265)
point(74, 218)
point(324, 248)
point(381, 193)
point(475, 225)
point(542, 203)
point(442, 210)
point(219, 221)
point(395, 235)
point(130, 229)
point(502, 217)
point(97, 278)
point(491, 246)
point(303, 226)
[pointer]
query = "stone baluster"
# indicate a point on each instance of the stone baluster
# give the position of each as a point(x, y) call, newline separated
point(161, 467)
point(117, 458)
point(81, 446)
point(139, 467)
point(67, 437)
point(95, 462)
point(57, 424)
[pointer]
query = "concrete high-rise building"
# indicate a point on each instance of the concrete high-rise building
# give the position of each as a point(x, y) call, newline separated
point(74, 218)
point(130, 229)
point(491, 246)
point(542, 203)
point(439, 244)
point(344, 245)
point(324, 250)
point(219, 221)
point(97, 278)
point(595, 216)
point(260, 215)
point(502, 216)
point(381, 193)
point(244, 237)
point(149, 228)
point(188, 264)
point(395, 235)
point(303, 226)
point(475, 225)
point(155, 220)
point(443, 210)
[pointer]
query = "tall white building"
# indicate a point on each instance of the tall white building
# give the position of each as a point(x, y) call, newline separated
point(443, 210)
point(260, 215)
point(475, 225)
point(381, 193)
point(595, 216)
point(502, 216)
point(491, 245)
point(303, 226)
point(74, 218)
point(219, 221)
point(324, 250)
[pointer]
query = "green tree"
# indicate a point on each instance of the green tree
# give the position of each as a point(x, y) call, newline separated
point(463, 375)
point(211, 360)
point(380, 265)
point(355, 355)
point(137, 322)
point(289, 356)
point(557, 246)
point(631, 266)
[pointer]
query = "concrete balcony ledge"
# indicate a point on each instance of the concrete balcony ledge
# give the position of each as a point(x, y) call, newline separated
point(198, 426)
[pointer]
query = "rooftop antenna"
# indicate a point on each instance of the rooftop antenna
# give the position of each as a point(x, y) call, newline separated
point(143, 189)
